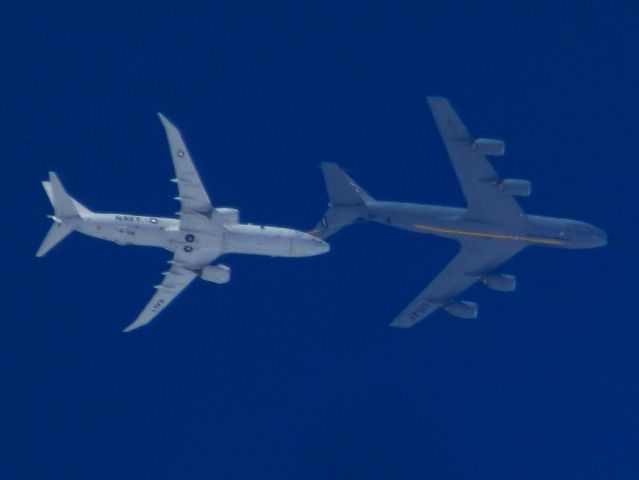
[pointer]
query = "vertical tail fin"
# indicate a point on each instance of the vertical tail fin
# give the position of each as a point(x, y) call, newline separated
point(342, 190)
point(63, 205)
point(347, 201)
point(65, 208)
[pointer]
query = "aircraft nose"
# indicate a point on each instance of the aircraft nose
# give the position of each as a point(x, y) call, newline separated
point(599, 238)
point(308, 245)
point(319, 245)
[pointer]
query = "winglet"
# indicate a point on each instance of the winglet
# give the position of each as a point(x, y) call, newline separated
point(165, 121)
point(435, 98)
point(135, 325)
point(446, 118)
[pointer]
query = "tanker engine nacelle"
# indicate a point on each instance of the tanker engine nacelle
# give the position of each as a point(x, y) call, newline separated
point(500, 282)
point(216, 273)
point(226, 216)
point(516, 187)
point(489, 147)
point(461, 309)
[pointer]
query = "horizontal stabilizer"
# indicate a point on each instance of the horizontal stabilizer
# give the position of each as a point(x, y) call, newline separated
point(57, 233)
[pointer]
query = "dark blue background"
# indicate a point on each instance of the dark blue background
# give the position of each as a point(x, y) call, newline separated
point(290, 370)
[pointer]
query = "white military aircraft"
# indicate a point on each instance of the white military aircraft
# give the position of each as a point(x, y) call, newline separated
point(200, 235)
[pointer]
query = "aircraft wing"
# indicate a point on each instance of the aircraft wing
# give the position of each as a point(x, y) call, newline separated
point(478, 179)
point(193, 198)
point(476, 257)
point(195, 212)
point(175, 280)
point(185, 267)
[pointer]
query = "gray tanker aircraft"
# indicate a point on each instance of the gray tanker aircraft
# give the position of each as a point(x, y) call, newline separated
point(200, 235)
point(492, 228)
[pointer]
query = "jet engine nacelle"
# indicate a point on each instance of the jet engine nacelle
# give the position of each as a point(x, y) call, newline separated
point(489, 146)
point(216, 273)
point(516, 187)
point(462, 309)
point(226, 216)
point(500, 282)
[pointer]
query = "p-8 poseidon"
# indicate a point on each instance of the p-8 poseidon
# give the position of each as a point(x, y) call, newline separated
point(200, 235)
point(490, 230)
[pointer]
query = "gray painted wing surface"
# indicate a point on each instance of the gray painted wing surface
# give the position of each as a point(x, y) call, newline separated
point(478, 179)
point(192, 194)
point(477, 256)
point(175, 281)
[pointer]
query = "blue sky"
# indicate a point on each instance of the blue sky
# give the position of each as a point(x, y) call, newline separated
point(290, 370)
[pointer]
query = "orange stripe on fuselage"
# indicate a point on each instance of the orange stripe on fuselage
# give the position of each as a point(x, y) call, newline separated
point(498, 236)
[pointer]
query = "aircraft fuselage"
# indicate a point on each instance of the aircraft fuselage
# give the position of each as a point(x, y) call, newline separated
point(160, 232)
point(454, 223)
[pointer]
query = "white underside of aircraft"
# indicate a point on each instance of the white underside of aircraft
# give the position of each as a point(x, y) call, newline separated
point(200, 235)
